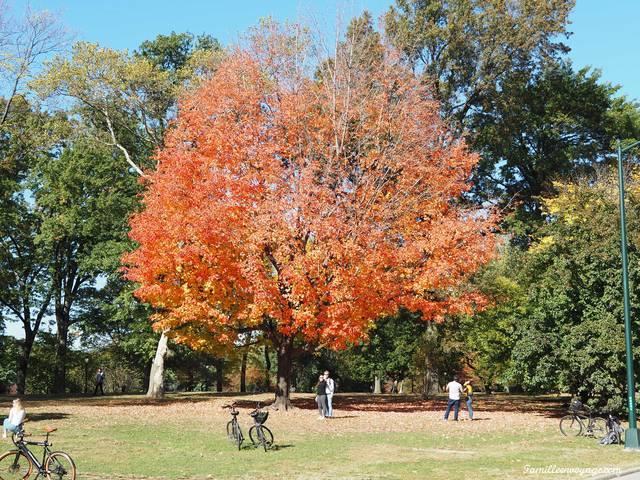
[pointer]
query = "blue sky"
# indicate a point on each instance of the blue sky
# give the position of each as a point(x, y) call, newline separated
point(605, 33)
point(604, 36)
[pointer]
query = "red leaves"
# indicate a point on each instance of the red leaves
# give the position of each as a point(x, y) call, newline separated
point(319, 205)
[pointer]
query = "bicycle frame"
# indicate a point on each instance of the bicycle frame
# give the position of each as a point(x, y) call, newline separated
point(236, 425)
point(21, 445)
point(236, 432)
point(587, 422)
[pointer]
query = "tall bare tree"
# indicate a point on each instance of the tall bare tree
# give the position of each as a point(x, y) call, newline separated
point(24, 42)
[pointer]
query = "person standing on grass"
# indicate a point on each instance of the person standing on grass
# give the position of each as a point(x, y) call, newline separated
point(331, 388)
point(455, 390)
point(468, 390)
point(321, 397)
point(16, 417)
point(99, 382)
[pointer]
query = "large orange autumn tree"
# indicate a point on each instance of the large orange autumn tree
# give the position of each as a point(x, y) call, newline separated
point(304, 200)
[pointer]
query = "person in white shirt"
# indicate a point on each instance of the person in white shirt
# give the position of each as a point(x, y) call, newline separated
point(16, 417)
point(455, 390)
point(330, 389)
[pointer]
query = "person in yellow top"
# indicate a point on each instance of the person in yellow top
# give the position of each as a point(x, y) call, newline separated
point(468, 390)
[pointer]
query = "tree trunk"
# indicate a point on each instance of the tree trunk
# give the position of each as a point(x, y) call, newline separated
point(267, 368)
point(377, 387)
point(243, 373)
point(62, 338)
point(156, 377)
point(283, 383)
point(401, 388)
point(426, 384)
point(219, 375)
point(146, 374)
point(23, 363)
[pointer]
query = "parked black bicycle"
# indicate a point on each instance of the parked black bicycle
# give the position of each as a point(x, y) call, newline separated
point(577, 423)
point(234, 433)
point(258, 433)
point(19, 464)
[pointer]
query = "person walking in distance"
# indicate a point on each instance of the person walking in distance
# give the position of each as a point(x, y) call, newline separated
point(99, 382)
point(330, 389)
point(455, 390)
point(468, 389)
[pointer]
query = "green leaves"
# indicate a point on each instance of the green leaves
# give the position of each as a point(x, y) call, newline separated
point(467, 47)
point(393, 342)
point(571, 337)
point(543, 126)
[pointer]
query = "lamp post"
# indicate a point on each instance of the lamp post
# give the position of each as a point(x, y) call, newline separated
point(631, 438)
point(86, 373)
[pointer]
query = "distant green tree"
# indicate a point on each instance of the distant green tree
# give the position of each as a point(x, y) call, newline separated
point(389, 351)
point(572, 335)
point(10, 352)
point(466, 48)
point(172, 52)
point(545, 125)
point(113, 318)
point(27, 137)
point(41, 377)
point(82, 199)
point(485, 340)
point(127, 101)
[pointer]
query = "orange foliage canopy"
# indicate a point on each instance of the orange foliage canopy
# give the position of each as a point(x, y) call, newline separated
point(307, 204)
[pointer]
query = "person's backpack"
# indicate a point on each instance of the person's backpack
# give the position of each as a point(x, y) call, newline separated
point(614, 432)
point(610, 438)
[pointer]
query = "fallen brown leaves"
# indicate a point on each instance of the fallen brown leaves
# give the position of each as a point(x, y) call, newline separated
point(353, 413)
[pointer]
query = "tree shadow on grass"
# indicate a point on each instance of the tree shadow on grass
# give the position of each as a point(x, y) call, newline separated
point(275, 447)
point(127, 399)
point(280, 447)
point(46, 416)
point(550, 406)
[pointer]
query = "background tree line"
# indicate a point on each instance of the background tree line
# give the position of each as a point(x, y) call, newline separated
point(77, 131)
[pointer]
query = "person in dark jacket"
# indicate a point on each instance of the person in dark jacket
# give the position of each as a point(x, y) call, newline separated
point(321, 397)
point(99, 382)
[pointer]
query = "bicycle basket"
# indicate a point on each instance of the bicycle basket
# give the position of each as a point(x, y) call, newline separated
point(576, 405)
point(260, 417)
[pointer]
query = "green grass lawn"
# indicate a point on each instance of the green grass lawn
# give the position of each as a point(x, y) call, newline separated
point(383, 437)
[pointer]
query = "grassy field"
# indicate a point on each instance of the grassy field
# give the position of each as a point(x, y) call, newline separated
point(381, 437)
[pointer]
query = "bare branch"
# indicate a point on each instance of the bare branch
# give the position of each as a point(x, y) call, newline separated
point(35, 36)
point(123, 149)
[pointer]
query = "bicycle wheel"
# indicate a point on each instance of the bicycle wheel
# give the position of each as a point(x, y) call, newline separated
point(598, 427)
point(230, 432)
point(570, 426)
point(14, 465)
point(60, 466)
point(265, 433)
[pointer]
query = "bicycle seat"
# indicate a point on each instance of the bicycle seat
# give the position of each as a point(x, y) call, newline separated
point(49, 429)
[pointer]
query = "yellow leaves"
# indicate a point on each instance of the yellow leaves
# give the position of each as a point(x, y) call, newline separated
point(544, 244)
point(580, 201)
